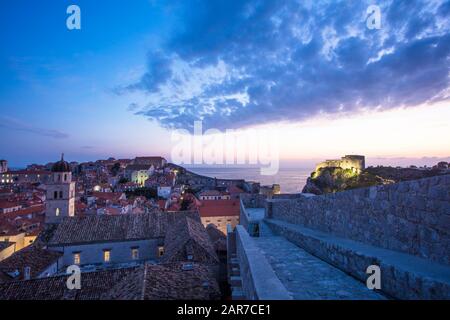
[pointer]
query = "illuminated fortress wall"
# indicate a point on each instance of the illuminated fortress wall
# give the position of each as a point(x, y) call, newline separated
point(356, 163)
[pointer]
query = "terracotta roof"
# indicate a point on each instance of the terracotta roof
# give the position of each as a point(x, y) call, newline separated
point(111, 196)
point(167, 282)
point(234, 189)
point(149, 282)
point(8, 204)
point(104, 228)
point(188, 237)
point(7, 228)
point(218, 238)
point(26, 211)
point(94, 285)
point(35, 258)
point(21, 172)
point(219, 208)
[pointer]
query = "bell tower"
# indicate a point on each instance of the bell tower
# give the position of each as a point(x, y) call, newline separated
point(60, 193)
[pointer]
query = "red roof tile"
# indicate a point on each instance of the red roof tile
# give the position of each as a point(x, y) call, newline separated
point(219, 208)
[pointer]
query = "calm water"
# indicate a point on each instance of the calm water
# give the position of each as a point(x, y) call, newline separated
point(291, 180)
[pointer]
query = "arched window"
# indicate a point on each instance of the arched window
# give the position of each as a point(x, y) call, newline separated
point(57, 212)
point(65, 177)
point(60, 194)
point(55, 195)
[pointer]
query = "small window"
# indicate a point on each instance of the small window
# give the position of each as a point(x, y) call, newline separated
point(76, 258)
point(135, 254)
point(55, 195)
point(106, 256)
point(57, 211)
point(190, 257)
point(60, 194)
point(160, 251)
point(65, 177)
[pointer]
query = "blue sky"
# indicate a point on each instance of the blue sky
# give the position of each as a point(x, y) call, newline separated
point(140, 68)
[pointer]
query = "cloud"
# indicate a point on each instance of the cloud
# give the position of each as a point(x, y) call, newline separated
point(14, 124)
point(241, 63)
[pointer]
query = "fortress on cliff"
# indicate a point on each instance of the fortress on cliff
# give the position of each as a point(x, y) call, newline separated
point(356, 163)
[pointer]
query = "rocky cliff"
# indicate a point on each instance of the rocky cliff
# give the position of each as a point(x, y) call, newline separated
point(335, 179)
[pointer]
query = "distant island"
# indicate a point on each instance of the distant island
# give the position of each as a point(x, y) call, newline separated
point(350, 172)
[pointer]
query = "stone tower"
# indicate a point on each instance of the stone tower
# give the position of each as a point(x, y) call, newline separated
point(3, 166)
point(60, 193)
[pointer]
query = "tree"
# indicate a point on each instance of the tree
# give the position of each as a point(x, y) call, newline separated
point(115, 169)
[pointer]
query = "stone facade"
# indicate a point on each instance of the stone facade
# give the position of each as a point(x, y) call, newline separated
point(60, 197)
point(353, 162)
point(120, 252)
point(3, 166)
point(412, 217)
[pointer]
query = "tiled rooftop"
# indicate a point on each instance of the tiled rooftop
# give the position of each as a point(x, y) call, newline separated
point(219, 208)
point(149, 282)
point(37, 259)
point(188, 237)
point(89, 229)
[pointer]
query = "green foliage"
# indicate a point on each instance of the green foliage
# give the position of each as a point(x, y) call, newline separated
point(115, 169)
point(123, 180)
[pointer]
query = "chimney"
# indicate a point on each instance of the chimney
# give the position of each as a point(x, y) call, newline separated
point(27, 273)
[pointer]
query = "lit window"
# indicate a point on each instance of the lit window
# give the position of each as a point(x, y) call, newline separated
point(161, 251)
point(76, 258)
point(135, 253)
point(107, 255)
point(57, 212)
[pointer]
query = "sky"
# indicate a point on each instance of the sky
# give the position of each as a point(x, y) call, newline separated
point(311, 70)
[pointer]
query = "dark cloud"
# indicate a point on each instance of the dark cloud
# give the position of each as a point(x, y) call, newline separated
point(241, 63)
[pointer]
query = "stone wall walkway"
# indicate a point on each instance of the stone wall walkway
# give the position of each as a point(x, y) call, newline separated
point(307, 277)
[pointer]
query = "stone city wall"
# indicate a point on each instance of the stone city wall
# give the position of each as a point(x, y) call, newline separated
point(411, 217)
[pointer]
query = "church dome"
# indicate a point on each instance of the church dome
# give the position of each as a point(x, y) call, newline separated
point(61, 165)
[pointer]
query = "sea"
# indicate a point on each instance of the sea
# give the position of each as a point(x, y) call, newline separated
point(291, 180)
